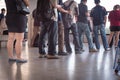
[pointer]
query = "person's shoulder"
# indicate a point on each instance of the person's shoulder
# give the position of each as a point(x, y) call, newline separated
point(102, 7)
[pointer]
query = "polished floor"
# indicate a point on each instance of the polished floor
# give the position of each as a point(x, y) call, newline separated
point(85, 66)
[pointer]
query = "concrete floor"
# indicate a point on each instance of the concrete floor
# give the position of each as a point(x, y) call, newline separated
point(85, 66)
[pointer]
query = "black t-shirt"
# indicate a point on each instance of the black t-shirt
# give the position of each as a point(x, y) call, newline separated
point(83, 9)
point(98, 13)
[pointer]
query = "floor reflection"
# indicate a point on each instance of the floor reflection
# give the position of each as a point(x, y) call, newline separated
point(85, 66)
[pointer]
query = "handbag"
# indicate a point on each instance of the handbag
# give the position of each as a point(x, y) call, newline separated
point(21, 7)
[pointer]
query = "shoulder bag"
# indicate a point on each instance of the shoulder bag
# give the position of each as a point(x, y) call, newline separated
point(21, 7)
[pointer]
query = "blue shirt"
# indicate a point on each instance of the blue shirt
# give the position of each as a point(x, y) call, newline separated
point(98, 13)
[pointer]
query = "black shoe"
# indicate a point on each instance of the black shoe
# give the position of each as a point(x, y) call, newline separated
point(78, 52)
point(62, 53)
point(82, 50)
point(69, 52)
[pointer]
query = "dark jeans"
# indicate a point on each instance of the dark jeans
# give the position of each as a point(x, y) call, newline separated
point(73, 28)
point(51, 28)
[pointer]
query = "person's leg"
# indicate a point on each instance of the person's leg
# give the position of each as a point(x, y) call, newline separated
point(103, 36)
point(35, 32)
point(117, 38)
point(11, 38)
point(89, 37)
point(67, 40)
point(52, 37)
point(75, 37)
point(52, 40)
point(95, 32)
point(110, 40)
point(61, 39)
point(81, 28)
point(41, 42)
point(18, 45)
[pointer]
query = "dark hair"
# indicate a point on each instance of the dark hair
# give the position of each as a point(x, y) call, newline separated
point(83, 0)
point(3, 9)
point(97, 1)
point(116, 7)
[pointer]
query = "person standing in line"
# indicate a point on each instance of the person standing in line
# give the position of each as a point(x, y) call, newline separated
point(16, 23)
point(36, 27)
point(99, 15)
point(83, 26)
point(2, 21)
point(114, 18)
point(2, 14)
point(50, 27)
point(69, 22)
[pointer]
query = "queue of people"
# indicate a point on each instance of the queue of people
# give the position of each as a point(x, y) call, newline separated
point(59, 26)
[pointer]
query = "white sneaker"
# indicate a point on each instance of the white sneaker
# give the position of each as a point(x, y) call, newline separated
point(107, 49)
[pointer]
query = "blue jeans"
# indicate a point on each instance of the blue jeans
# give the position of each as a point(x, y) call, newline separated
point(51, 28)
point(73, 28)
point(84, 28)
point(103, 36)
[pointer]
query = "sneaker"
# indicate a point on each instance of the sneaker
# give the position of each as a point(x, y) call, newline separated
point(42, 56)
point(62, 53)
point(21, 61)
point(78, 52)
point(93, 50)
point(82, 50)
point(107, 49)
point(69, 52)
point(52, 57)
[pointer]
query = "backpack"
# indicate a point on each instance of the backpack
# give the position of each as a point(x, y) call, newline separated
point(67, 18)
point(44, 10)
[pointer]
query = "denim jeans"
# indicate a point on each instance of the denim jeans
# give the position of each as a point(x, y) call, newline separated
point(73, 28)
point(84, 28)
point(103, 36)
point(51, 28)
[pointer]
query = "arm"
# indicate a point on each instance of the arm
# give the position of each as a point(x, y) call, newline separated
point(59, 7)
point(26, 2)
point(105, 19)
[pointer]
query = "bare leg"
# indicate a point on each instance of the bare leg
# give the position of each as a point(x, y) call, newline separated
point(117, 38)
point(110, 37)
point(18, 46)
point(35, 32)
point(11, 38)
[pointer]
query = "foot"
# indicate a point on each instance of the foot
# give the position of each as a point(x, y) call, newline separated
point(82, 50)
point(69, 52)
point(107, 49)
point(52, 57)
point(78, 52)
point(62, 53)
point(93, 50)
point(21, 60)
point(42, 56)
point(12, 59)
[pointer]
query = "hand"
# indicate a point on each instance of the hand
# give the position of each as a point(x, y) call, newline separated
point(69, 12)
